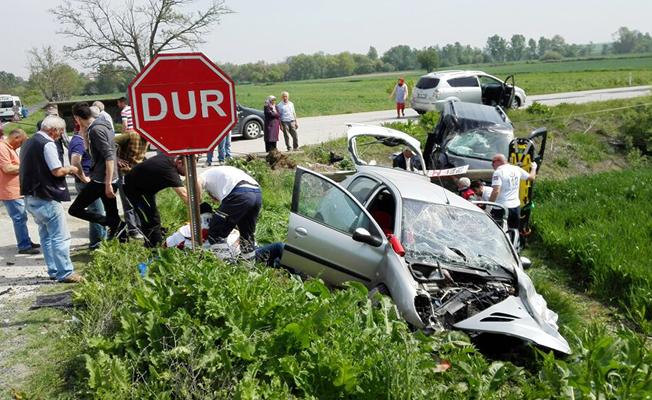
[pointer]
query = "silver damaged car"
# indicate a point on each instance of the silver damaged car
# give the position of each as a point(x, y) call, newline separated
point(444, 262)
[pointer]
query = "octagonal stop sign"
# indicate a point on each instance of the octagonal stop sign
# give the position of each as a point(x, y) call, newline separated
point(183, 103)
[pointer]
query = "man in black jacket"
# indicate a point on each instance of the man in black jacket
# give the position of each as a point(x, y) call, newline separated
point(407, 160)
point(103, 181)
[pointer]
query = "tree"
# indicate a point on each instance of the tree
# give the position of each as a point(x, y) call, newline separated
point(133, 34)
point(113, 78)
point(402, 57)
point(8, 81)
point(55, 79)
point(517, 48)
point(531, 49)
point(372, 53)
point(497, 48)
point(428, 58)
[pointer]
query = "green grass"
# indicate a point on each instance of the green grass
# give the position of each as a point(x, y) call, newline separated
point(600, 228)
point(28, 124)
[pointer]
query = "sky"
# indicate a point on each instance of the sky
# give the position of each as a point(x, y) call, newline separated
point(272, 30)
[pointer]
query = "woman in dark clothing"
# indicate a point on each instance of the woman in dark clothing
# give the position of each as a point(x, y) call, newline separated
point(272, 123)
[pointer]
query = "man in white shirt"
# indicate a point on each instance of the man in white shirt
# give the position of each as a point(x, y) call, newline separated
point(505, 184)
point(288, 121)
point(240, 203)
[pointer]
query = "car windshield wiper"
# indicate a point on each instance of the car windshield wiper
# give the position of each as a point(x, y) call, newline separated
point(491, 262)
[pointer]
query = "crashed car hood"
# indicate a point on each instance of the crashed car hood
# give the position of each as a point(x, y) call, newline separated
point(526, 316)
point(511, 317)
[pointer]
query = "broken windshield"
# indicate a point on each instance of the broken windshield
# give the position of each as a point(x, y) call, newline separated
point(479, 143)
point(435, 233)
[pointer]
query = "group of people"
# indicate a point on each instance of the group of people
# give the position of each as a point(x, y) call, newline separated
point(280, 117)
point(106, 165)
point(504, 189)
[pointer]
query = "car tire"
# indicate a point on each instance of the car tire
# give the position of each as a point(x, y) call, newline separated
point(420, 112)
point(516, 103)
point(252, 130)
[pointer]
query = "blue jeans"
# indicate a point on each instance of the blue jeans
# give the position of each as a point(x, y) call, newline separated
point(16, 211)
point(55, 238)
point(96, 232)
point(223, 150)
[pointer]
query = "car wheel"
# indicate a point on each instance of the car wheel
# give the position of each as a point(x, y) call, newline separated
point(420, 112)
point(252, 130)
point(516, 102)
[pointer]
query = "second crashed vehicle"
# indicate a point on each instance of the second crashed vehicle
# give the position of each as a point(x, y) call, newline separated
point(443, 261)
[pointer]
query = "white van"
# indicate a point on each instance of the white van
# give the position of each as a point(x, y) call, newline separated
point(8, 106)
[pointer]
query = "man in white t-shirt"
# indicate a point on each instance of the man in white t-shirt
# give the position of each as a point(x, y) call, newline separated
point(505, 183)
point(289, 123)
point(240, 203)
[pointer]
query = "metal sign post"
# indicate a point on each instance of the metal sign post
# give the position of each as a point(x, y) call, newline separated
point(193, 198)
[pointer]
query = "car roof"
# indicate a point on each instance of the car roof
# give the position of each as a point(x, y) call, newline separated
point(451, 73)
point(492, 115)
point(417, 187)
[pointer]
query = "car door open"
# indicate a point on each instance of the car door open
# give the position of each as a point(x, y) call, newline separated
point(324, 219)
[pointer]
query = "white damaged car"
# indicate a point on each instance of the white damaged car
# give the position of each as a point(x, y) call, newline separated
point(444, 262)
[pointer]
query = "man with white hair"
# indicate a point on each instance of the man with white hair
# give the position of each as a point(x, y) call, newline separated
point(464, 188)
point(505, 183)
point(289, 123)
point(43, 183)
point(103, 114)
point(10, 190)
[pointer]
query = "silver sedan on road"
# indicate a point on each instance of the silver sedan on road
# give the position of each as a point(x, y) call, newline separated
point(444, 262)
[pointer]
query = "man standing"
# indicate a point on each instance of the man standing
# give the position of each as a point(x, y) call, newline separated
point(240, 202)
point(125, 115)
point(79, 157)
point(144, 181)
point(103, 177)
point(10, 190)
point(43, 183)
point(131, 146)
point(103, 114)
point(400, 94)
point(289, 123)
point(505, 183)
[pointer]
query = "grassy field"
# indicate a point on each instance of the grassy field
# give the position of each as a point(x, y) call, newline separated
point(600, 227)
point(370, 92)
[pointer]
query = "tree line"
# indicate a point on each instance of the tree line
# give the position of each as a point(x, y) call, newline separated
point(54, 79)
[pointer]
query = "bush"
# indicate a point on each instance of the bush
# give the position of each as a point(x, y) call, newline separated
point(551, 55)
point(196, 328)
point(636, 130)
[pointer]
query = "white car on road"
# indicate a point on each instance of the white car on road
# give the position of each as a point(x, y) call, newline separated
point(436, 88)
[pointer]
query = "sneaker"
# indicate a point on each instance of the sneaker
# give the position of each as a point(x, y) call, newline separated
point(73, 278)
point(36, 245)
point(30, 251)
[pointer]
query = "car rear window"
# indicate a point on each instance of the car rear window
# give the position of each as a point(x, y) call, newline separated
point(427, 83)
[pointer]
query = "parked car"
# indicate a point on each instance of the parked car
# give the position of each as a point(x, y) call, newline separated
point(443, 261)
point(10, 107)
point(468, 134)
point(250, 122)
point(433, 90)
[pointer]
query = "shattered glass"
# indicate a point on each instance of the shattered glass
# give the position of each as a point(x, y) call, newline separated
point(479, 143)
point(436, 233)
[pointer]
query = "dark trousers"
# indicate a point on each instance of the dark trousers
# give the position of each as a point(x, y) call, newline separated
point(150, 220)
point(269, 146)
point(288, 129)
point(240, 208)
point(513, 216)
point(91, 192)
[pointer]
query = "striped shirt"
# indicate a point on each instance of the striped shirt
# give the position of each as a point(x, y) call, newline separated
point(125, 114)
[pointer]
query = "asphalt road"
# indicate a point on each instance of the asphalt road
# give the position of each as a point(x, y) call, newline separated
point(313, 130)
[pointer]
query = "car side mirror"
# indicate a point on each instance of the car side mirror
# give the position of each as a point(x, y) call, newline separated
point(362, 235)
point(526, 262)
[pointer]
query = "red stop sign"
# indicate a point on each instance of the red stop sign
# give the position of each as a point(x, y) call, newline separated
point(182, 103)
